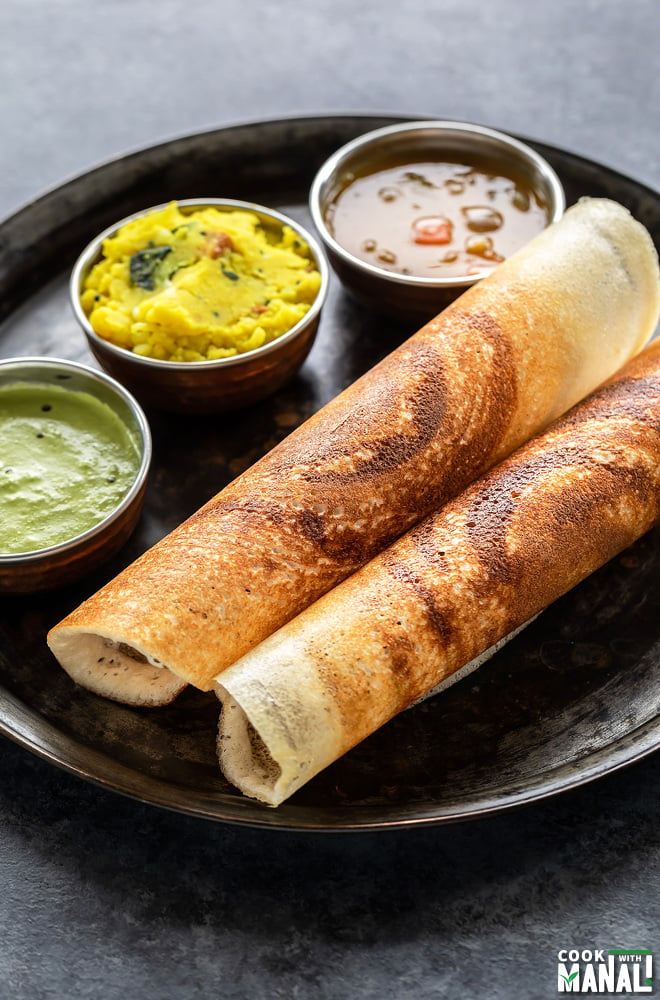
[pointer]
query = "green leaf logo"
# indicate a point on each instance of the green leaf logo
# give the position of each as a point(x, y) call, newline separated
point(569, 979)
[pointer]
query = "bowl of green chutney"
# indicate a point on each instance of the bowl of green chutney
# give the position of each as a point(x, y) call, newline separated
point(74, 461)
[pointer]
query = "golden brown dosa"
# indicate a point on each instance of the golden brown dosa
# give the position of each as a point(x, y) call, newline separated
point(448, 591)
point(499, 364)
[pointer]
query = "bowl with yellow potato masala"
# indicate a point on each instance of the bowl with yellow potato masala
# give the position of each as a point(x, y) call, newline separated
point(411, 215)
point(201, 305)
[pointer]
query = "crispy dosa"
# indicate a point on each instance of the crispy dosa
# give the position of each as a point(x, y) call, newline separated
point(498, 365)
point(449, 591)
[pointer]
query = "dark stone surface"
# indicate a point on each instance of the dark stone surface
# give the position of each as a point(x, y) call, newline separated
point(101, 896)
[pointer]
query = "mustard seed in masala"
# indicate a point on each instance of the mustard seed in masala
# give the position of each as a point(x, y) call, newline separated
point(197, 286)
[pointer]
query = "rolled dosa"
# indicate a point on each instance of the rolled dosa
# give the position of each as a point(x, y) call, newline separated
point(512, 353)
point(448, 592)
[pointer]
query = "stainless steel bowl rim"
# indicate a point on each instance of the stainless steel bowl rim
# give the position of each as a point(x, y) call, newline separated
point(61, 364)
point(344, 152)
point(93, 250)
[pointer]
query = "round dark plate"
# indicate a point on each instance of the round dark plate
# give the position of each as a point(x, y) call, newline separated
point(573, 697)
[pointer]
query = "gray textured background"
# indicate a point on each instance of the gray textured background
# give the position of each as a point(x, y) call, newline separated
point(103, 897)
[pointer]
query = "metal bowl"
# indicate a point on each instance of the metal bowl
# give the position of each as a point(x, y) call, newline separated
point(206, 386)
point(67, 561)
point(405, 296)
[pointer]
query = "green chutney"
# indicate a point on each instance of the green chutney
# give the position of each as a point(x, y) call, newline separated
point(66, 461)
